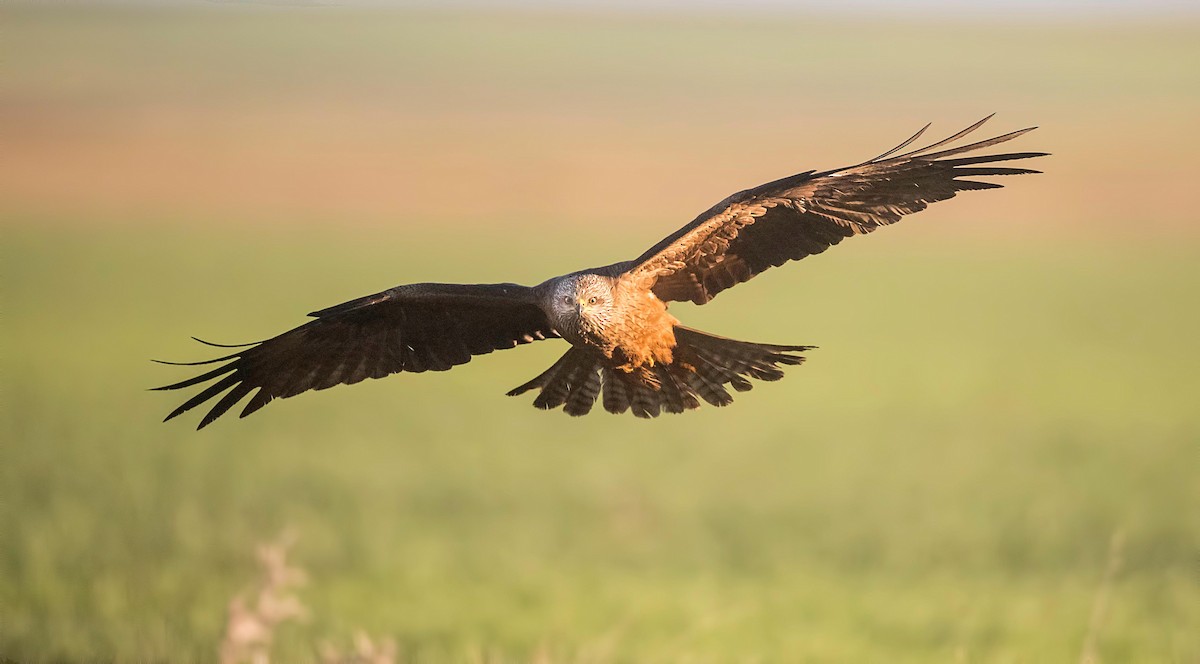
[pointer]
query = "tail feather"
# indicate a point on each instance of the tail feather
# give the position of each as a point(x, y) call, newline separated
point(581, 398)
point(563, 385)
point(616, 394)
point(676, 398)
point(704, 366)
point(574, 380)
point(711, 391)
point(543, 379)
point(646, 400)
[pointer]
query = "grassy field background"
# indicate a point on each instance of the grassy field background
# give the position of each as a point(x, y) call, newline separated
point(1003, 383)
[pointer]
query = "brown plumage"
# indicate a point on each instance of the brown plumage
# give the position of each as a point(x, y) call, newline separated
point(626, 349)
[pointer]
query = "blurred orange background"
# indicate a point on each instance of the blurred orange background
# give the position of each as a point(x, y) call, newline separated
point(367, 117)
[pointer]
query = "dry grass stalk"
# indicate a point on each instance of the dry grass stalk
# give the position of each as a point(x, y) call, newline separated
point(252, 620)
point(365, 651)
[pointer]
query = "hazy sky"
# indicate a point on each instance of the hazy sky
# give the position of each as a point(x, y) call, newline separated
point(1059, 8)
point(1082, 8)
point(957, 6)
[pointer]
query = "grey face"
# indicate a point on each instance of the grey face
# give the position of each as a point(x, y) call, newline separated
point(582, 302)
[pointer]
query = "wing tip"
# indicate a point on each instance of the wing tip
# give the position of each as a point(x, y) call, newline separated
point(925, 152)
point(195, 364)
point(217, 345)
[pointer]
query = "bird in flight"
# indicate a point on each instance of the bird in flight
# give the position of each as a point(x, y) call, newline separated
point(625, 347)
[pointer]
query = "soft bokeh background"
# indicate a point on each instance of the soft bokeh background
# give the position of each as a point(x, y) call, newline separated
point(1004, 382)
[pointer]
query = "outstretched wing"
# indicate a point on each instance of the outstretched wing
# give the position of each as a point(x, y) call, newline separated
point(418, 327)
point(807, 213)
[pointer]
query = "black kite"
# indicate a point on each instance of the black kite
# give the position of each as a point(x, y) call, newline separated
point(624, 344)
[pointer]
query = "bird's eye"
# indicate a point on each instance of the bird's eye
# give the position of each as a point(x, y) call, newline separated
point(566, 299)
point(592, 300)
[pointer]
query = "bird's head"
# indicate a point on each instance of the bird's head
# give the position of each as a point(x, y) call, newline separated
point(583, 302)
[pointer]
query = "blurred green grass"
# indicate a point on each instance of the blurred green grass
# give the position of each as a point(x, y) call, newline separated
point(1002, 384)
point(943, 477)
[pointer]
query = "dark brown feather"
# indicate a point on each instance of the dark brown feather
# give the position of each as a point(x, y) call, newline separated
point(807, 213)
point(408, 328)
point(703, 365)
point(616, 393)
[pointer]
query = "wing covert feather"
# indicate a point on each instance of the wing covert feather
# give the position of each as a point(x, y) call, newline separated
point(414, 328)
point(805, 214)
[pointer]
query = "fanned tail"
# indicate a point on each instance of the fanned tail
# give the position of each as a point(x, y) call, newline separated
point(704, 366)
